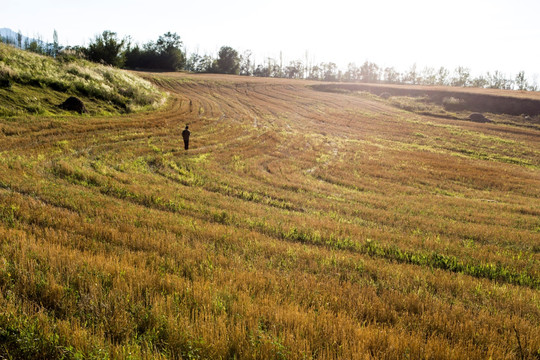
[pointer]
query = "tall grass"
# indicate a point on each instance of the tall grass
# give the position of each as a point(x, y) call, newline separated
point(125, 91)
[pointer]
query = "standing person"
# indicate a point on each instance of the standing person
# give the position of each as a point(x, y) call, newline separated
point(185, 135)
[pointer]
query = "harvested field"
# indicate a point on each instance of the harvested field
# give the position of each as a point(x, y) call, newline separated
point(300, 224)
point(472, 99)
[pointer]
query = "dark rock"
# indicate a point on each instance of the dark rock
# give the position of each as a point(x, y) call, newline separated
point(73, 104)
point(477, 117)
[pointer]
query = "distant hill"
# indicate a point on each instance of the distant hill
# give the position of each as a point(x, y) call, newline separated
point(10, 36)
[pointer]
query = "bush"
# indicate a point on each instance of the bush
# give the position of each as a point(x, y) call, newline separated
point(453, 104)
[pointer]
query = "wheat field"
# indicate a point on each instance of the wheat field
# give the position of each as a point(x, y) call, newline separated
point(299, 225)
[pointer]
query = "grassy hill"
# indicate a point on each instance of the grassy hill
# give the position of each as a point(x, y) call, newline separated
point(300, 225)
point(35, 84)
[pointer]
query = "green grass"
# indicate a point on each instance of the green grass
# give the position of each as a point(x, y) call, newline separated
point(34, 84)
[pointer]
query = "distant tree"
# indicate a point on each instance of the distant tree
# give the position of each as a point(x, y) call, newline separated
point(428, 76)
point(369, 72)
point(270, 69)
point(134, 57)
point(7, 40)
point(262, 71)
point(276, 70)
point(169, 49)
point(19, 39)
point(521, 81)
point(352, 73)
point(201, 64)
point(168, 41)
point(442, 76)
point(193, 63)
point(55, 45)
point(479, 82)
point(315, 73)
point(294, 70)
point(411, 77)
point(209, 64)
point(246, 66)
point(280, 72)
point(329, 71)
point(106, 48)
point(164, 54)
point(461, 77)
point(34, 46)
point(497, 80)
point(391, 75)
point(307, 65)
point(228, 61)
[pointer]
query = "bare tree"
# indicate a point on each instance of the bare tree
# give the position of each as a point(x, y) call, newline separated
point(428, 76)
point(479, 82)
point(461, 76)
point(497, 80)
point(369, 72)
point(411, 77)
point(521, 81)
point(295, 70)
point(315, 73)
point(246, 65)
point(329, 71)
point(391, 75)
point(352, 73)
point(442, 76)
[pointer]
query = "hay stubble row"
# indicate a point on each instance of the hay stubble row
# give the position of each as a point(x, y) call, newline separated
point(300, 224)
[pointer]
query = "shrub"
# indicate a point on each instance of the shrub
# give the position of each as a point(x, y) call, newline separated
point(453, 104)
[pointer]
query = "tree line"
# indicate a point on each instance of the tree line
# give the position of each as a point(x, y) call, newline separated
point(167, 54)
point(35, 45)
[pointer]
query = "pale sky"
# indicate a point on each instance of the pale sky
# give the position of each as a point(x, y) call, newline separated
point(484, 35)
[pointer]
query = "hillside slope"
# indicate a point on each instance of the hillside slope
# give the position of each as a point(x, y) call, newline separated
point(472, 99)
point(300, 224)
point(35, 84)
